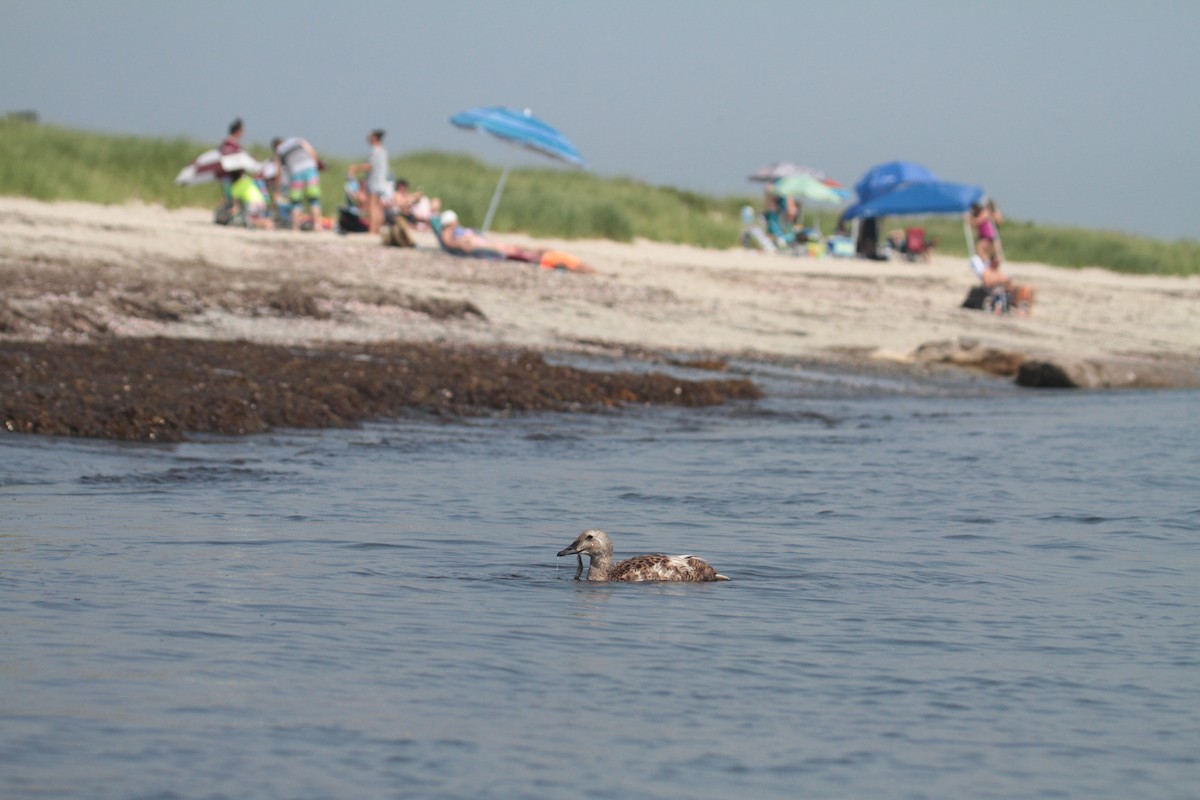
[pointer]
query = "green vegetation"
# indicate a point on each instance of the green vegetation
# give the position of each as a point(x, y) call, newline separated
point(1078, 247)
point(53, 163)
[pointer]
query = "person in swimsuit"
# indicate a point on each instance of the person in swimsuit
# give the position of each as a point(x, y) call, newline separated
point(984, 220)
point(466, 241)
point(469, 241)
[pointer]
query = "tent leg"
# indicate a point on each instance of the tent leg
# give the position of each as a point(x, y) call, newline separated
point(969, 237)
point(487, 221)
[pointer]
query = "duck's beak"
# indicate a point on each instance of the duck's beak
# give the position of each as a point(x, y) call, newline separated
point(573, 547)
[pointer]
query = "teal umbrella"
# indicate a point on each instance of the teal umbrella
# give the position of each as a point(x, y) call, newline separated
point(809, 189)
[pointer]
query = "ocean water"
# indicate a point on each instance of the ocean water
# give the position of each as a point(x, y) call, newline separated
point(940, 590)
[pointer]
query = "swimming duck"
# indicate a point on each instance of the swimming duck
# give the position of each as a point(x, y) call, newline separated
point(598, 547)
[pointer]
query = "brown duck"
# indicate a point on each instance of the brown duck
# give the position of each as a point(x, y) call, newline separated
point(597, 546)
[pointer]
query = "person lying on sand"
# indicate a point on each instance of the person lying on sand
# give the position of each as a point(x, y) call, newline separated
point(462, 240)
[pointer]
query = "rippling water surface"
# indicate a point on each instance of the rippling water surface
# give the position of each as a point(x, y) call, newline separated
point(936, 593)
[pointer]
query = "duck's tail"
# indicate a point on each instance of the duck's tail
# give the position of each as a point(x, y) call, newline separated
point(721, 577)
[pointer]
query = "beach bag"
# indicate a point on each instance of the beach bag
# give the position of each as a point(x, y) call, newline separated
point(350, 222)
point(398, 234)
point(976, 297)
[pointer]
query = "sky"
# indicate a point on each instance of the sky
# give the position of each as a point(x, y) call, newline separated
point(1067, 113)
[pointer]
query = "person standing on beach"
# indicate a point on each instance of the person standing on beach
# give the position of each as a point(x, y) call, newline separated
point(232, 144)
point(298, 159)
point(985, 219)
point(379, 188)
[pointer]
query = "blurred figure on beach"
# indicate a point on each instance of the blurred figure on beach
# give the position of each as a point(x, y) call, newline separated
point(297, 165)
point(985, 219)
point(249, 198)
point(1020, 296)
point(231, 144)
point(779, 217)
point(414, 205)
point(467, 241)
point(379, 188)
point(786, 208)
point(461, 240)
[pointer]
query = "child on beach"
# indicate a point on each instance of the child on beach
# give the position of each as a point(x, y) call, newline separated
point(248, 197)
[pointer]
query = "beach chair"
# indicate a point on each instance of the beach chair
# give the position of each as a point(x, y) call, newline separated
point(350, 215)
point(753, 234)
point(917, 245)
point(840, 246)
point(784, 239)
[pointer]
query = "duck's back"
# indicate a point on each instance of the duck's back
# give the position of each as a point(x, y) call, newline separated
point(664, 568)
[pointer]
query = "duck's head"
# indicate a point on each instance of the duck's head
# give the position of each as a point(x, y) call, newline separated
point(592, 543)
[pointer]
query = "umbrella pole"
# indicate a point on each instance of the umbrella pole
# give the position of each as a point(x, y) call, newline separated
point(970, 238)
point(487, 221)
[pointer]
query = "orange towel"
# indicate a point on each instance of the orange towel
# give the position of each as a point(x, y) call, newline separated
point(557, 259)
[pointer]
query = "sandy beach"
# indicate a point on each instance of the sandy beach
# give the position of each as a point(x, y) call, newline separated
point(79, 273)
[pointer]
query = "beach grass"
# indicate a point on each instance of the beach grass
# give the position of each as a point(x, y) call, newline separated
point(49, 162)
point(1064, 246)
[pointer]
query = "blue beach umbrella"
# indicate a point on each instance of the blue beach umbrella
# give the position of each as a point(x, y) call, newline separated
point(520, 128)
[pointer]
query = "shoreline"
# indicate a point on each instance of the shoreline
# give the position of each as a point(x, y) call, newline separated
point(81, 273)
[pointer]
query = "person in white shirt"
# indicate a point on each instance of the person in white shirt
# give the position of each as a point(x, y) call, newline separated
point(379, 185)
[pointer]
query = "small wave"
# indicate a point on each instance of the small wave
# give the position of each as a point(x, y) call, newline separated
point(184, 476)
point(1082, 519)
point(551, 436)
point(380, 546)
point(196, 634)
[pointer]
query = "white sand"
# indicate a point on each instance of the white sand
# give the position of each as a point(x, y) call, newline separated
point(649, 295)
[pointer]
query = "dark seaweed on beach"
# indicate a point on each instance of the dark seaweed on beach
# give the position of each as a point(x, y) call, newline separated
point(161, 389)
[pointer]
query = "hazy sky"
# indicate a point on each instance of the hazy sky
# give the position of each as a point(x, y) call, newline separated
point(1082, 113)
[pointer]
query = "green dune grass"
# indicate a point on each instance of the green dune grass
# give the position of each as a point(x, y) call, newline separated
point(48, 162)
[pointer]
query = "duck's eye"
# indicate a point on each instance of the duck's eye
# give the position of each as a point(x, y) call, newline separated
point(589, 537)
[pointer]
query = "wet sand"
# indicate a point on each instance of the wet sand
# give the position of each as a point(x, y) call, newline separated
point(95, 292)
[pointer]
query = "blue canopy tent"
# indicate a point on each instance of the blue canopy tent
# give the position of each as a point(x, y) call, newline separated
point(883, 178)
point(520, 128)
point(921, 197)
